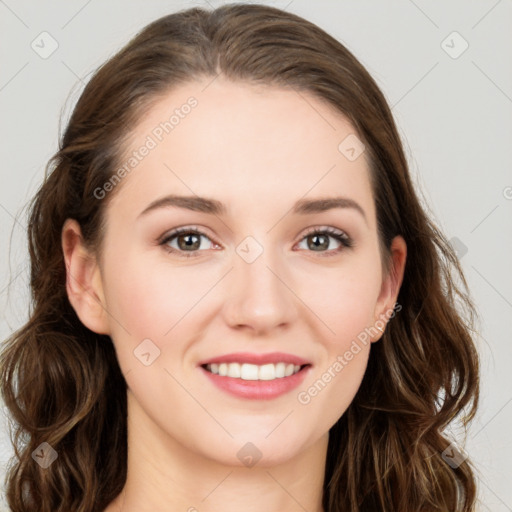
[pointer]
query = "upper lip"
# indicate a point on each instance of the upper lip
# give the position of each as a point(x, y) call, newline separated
point(258, 359)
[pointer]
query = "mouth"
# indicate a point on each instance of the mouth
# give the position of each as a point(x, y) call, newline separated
point(256, 376)
point(252, 372)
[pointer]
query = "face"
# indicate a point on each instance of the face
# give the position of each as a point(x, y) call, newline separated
point(260, 287)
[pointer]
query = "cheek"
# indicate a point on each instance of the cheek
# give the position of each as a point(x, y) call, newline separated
point(156, 302)
point(347, 309)
point(151, 298)
point(327, 396)
point(345, 300)
point(332, 386)
point(346, 305)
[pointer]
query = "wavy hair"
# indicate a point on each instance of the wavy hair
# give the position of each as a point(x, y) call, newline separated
point(61, 382)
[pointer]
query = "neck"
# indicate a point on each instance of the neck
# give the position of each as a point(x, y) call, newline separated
point(165, 476)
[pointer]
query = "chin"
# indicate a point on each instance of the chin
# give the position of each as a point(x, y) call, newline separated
point(253, 449)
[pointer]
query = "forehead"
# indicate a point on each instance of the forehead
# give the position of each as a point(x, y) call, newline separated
point(237, 141)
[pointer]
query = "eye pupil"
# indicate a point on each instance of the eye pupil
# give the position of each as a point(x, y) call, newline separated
point(189, 244)
point(316, 245)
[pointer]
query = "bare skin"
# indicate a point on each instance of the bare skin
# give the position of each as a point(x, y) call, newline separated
point(258, 150)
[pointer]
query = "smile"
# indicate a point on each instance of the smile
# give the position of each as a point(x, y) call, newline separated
point(256, 382)
point(246, 371)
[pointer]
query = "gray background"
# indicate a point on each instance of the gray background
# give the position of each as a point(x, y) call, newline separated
point(454, 115)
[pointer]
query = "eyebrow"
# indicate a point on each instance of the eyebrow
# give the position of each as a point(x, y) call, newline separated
point(215, 207)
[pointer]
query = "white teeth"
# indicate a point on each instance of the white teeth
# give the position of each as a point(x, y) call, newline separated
point(223, 369)
point(249, 372)
point(288, 370)
point(253, 371)
point(267, 372)
point(280, 369)
point(234, 370)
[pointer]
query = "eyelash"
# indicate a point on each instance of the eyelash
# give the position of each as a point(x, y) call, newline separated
point(345, 241)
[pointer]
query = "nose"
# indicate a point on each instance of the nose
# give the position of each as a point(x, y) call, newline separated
point(260, 297)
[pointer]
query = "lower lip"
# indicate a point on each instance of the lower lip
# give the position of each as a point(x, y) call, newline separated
point(257, 389)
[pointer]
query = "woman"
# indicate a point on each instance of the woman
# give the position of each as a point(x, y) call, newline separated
point(239, 302)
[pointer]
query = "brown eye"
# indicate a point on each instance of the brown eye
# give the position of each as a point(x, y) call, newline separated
point(319, 241)
point(188, 242)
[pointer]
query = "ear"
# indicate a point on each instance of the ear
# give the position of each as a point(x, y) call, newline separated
point(83, 280)
point(390, 287)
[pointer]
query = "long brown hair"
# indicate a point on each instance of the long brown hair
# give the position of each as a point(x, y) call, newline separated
point(62, 383)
